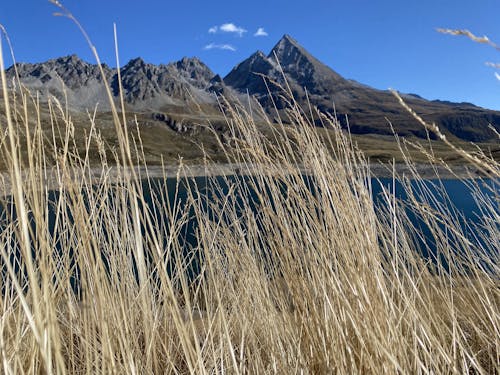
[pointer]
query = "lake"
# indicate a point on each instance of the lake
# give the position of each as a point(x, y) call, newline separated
point(454, 195)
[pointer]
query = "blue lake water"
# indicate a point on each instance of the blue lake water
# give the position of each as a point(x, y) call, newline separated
point(455, 195)
point(447, 192)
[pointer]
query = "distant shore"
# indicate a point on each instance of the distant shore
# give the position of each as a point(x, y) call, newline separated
point(112, 173)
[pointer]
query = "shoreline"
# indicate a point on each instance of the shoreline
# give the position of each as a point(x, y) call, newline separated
point(51, 180)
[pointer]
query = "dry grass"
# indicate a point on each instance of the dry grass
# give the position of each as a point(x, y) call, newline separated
point(297, 274)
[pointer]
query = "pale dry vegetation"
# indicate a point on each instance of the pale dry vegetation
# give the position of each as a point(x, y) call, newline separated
point(289, 273)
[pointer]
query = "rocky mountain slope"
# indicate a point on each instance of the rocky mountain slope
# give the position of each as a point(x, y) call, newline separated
point(185, 85)
point(368, 109)
point(145, 86)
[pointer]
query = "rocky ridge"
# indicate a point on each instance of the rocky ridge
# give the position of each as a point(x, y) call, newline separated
point(188, 83)
point(369, 110)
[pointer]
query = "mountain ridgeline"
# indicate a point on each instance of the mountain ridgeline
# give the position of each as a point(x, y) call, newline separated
point(188, 85)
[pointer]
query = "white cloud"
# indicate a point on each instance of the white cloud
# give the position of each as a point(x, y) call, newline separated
point(232, 28)
point(213, 30)
point(226, 47)
point(260, 32)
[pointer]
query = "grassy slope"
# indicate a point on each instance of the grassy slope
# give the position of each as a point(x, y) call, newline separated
point(163, 144)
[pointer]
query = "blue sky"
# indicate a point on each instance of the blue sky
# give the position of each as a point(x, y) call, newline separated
point(386, 43)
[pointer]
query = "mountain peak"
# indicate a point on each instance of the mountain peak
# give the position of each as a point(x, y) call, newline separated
point(288, 39)
point(246, 74)
point(292, 56)
point(194, 70)
point(259, 53)
point(257, 56)
point(189, 61)
point(192, 63)
point(286, 46)
point(138, 62)
point(70, 60)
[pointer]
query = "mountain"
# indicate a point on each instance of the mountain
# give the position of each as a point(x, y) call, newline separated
point(369, 110)
point(187, 85)
point(145, 86)
point(68, 76)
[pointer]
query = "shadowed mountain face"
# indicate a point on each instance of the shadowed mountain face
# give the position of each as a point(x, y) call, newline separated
point(303, 73)
point(189, 82)
point(369, 110)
